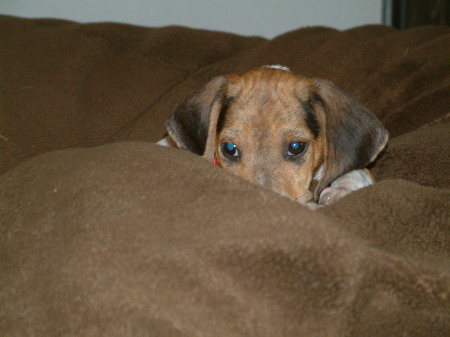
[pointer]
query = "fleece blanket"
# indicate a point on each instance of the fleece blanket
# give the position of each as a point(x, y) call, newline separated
point(105, 234)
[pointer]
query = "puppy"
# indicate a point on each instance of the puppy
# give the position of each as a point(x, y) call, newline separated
point(282, 131)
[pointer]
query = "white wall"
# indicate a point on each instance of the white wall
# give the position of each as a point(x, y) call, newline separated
point(266, 18)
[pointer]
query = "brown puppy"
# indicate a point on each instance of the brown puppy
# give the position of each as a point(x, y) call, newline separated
point(281, 130)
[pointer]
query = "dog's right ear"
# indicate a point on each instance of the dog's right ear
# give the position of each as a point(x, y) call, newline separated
point(353, 135)
point(193, 124)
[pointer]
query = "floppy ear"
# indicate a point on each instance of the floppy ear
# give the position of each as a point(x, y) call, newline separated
point(353, 136)
point(193, 124)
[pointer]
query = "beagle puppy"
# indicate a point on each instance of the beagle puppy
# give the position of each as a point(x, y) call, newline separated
point(282, 131)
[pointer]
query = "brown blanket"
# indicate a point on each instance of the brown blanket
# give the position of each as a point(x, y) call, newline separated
point(105, 234)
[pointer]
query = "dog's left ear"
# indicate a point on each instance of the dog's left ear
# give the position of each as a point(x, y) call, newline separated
point(353, 136)
point(193, 124)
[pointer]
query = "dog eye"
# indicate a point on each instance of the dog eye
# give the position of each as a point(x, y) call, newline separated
point(230, 150)
point(296, 148)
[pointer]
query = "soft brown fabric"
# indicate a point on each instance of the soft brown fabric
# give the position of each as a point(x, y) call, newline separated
point(125, 238)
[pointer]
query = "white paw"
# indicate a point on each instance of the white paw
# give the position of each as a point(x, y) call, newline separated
point(312, 205)
point(332, 194)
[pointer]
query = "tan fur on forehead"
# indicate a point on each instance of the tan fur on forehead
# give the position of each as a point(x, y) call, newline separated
point(267, 90)
point(271, 80)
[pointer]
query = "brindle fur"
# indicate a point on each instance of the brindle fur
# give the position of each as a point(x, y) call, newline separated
point(262, 111)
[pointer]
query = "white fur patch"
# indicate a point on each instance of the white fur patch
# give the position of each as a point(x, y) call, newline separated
point(318, 173)
point(278, 66)
point(167, 141)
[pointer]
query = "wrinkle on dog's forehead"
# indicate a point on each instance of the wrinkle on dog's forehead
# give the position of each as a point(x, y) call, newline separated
point(265, 101)
point(266, 113)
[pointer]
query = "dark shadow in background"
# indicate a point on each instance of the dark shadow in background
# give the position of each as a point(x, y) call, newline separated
point(404, 14)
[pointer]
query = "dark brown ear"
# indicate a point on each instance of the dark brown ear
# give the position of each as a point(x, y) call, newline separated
point(193, 124)
point(353, 135)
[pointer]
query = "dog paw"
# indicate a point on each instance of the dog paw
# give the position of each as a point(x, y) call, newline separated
point(332, 194)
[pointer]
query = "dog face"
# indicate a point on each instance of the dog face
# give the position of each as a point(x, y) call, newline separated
point(277, 129)
point(263, 134)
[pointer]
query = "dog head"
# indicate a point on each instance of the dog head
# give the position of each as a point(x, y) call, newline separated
point(278, 129)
